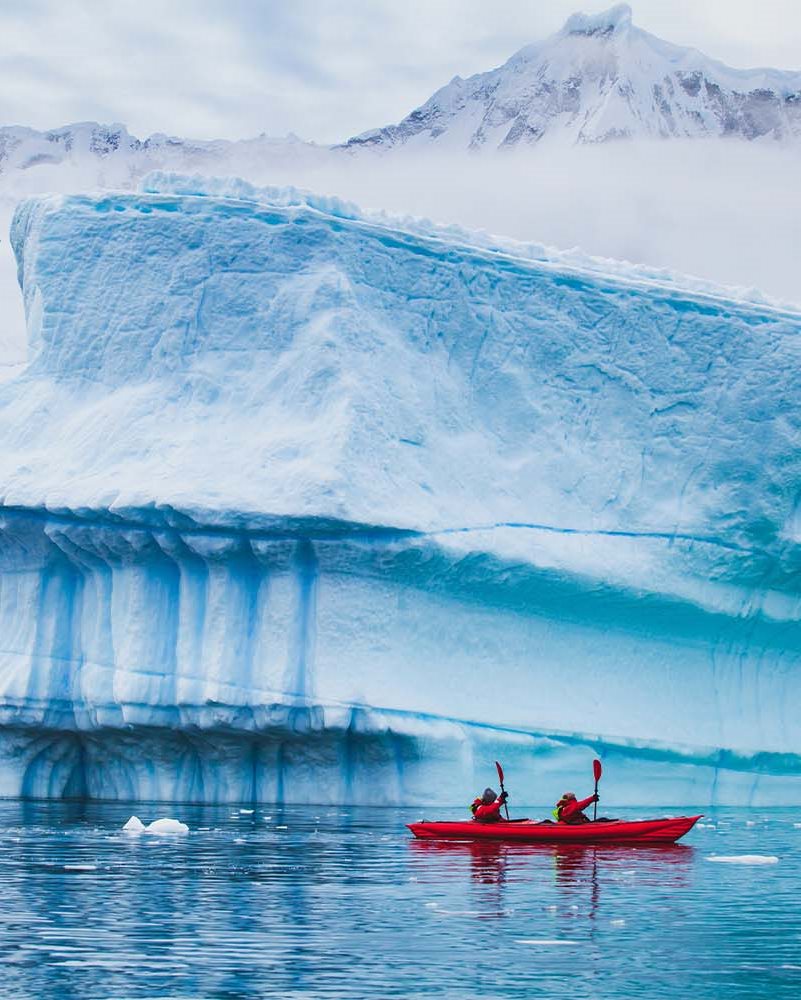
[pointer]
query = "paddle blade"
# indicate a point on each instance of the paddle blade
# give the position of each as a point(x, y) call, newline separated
point(597, 770)
point(500, 771)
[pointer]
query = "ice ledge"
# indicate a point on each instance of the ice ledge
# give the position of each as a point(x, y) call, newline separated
point(286, 715)
point(574, 261)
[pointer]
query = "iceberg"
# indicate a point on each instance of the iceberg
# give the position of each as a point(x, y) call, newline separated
point(306, 505)
point(166, 826)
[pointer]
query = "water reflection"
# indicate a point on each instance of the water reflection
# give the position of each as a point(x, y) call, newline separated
point(577, 872)
point(328, 902)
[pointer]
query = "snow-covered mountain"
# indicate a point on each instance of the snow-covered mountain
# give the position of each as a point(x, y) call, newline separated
point(119, 157)
point(600, 78)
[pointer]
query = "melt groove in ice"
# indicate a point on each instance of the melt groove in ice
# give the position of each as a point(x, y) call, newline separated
point(299, 505)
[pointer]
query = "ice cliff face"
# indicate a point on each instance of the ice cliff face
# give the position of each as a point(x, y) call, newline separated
point(303, 505)
point(600, 78)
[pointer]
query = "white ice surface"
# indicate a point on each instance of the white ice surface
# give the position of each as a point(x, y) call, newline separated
point(167, 827)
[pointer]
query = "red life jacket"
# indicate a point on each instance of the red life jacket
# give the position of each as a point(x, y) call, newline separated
point(570, 811)
point(484, 813)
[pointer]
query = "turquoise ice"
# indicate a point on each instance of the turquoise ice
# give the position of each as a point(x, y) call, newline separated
point(305, 505)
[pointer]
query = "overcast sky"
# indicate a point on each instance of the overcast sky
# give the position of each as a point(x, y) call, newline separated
point(325, 69)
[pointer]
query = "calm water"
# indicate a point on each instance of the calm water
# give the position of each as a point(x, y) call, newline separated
point(341, 903)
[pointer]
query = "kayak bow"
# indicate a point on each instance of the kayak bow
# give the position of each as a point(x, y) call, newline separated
point(650, 831)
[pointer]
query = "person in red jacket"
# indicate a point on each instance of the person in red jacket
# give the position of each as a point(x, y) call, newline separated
point(569, 808)
point(487, 809)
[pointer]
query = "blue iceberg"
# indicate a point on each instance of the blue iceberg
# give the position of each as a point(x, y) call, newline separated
point(306, 505)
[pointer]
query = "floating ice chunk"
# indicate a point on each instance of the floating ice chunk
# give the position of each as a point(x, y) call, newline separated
point(80, 868)
point(745, 859)
point(134, 825)
point(246, 812)
point(617, 923)
point(167, 826)
point(797, 826)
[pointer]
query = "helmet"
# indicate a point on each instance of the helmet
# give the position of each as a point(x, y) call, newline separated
point(488, 797)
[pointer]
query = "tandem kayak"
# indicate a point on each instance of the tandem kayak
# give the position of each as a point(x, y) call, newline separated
point(615, 831)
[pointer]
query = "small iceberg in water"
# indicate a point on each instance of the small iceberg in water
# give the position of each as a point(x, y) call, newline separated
point(166, 825)
point(745, 859)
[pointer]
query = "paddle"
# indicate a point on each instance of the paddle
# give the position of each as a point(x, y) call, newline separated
point(500, 778)
point(597, 770)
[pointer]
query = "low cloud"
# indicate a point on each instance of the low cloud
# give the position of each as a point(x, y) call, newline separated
point(723, 210)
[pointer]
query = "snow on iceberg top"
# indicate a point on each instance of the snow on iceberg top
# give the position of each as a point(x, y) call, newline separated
point(573, 260)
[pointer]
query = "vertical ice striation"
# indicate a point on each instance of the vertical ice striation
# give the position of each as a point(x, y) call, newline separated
point(302, 505)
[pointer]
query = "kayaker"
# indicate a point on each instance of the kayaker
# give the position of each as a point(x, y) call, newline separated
point(569, 808)
point(487, 808)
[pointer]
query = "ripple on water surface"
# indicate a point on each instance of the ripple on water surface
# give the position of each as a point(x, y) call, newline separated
point(315, 902)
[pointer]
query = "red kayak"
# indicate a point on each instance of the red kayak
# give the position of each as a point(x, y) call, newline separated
point(615, 831)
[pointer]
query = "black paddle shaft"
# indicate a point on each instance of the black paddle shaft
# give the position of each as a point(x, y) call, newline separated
point(597, 771)
point(500, 778)
point(504, 804)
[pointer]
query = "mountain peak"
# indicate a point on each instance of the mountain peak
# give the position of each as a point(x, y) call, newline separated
point(610, 22)
point(582, 84)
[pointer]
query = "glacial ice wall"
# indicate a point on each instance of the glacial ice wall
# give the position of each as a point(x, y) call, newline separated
point(301, 505)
